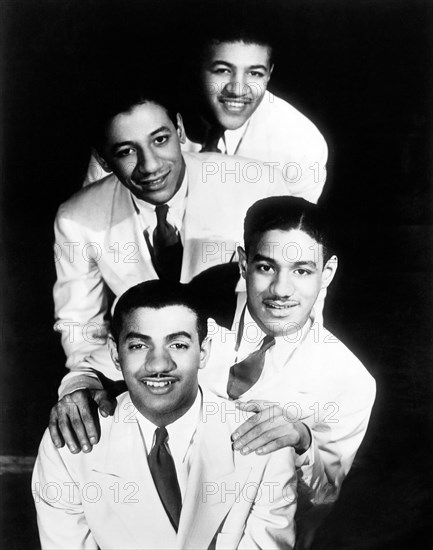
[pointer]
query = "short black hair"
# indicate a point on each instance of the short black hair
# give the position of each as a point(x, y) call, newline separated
point(286, 213)
point(236, 21)
point(121, 97)
point(157, 294)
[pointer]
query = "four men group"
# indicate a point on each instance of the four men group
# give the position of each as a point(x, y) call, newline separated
point(302, 399)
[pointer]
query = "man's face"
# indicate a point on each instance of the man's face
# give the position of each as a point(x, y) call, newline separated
point(142, 147)
point(284, 274)
point(160, 354)
point(235, 76)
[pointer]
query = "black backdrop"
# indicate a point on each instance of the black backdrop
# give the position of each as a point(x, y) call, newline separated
point(362, 71)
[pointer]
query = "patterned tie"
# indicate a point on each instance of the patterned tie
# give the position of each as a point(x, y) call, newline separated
point(167, 247)
point(163, 471)
point(214, 134)
point(245, 374)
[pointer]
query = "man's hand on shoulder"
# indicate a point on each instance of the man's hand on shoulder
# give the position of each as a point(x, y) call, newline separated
point(269, 429)
point(74, 419)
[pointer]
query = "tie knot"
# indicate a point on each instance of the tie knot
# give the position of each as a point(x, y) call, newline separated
point(161, 436)
point(268, 342)
point(161, 213)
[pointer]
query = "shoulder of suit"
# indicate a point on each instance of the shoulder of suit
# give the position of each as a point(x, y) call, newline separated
point(221, 410)
point(333, 356)
point(279, 113)
point(93, 203)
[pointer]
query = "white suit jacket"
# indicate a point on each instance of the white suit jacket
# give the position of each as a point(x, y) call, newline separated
point(107, 498)
point(278, 133)
point(99, 244)
point(323, 384)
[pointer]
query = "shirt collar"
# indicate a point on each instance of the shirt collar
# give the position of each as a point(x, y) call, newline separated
point(233, 138)
point(253, 335)
point(176, 204)
point(180, 433)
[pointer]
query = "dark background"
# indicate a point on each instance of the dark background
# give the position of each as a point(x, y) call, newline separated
point(362, 71)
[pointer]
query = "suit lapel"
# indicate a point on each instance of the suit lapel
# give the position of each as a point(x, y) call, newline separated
point(213, 484)
point(124, 245)
point(125, 468)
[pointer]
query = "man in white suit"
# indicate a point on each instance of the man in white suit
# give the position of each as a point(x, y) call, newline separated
point(120, 495)
point(240, 116)
point(286, 261)
point(310, 391)
point(105, 236)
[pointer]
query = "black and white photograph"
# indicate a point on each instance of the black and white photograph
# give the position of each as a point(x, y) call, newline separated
point(216, 256)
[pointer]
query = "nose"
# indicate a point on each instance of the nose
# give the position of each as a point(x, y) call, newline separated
point(148, 162)
point(158, 362)
point(282, 284)
point(237, 85)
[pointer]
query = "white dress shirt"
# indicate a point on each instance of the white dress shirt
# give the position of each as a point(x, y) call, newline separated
point(175, 215)
point(181, 434)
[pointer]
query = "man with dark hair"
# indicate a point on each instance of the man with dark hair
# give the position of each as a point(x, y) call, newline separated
point(160, 214)
point(164, 474)
point(239, 116)
point(310, 392)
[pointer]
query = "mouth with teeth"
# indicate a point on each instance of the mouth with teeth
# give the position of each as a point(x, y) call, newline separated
point(235, 105)
point(279, 308)
point(158, 385)
point(153, 184)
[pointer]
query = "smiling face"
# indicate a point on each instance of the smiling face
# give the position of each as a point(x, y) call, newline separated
point(235, 76)
point(159, 354)
point(142, 148)
point(284, 272)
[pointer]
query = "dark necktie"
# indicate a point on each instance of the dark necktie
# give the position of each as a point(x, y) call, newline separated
point(167, 247)
point(245, 374)
point(163, 471)
point(214, 134)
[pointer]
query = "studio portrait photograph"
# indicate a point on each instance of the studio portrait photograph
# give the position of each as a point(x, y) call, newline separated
point(216, 241)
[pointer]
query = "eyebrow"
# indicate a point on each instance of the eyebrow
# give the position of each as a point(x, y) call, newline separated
point(222, 62)
point(178, 334)
point(129, 142)
point(262, 258)
point(146, 338)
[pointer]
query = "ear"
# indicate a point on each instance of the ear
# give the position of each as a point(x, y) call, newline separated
point(329, 271)
point(270, 70)
point(180, 128)
point(205, 348)
point(113, 352)
point(101, 161)
point(242, 262)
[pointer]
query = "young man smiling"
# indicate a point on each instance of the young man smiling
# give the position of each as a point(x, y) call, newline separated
point(239, 116)
point(165, 474)
point(160, 214)
point(310, 392)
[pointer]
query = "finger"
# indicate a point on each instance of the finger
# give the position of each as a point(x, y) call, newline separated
point(55, 433)
point(77, 427)
point(264, 438)
point(270, 414)
point(68, 435)
point(87, 427)
point(106, 405)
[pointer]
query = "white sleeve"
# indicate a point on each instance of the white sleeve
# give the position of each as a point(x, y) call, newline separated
point(307, 178)
point(81, 308)
point(60, 514)
point(271, 523)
